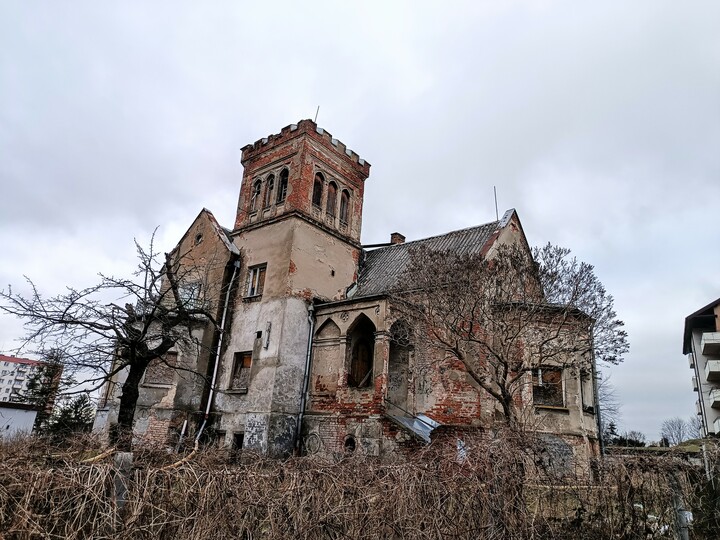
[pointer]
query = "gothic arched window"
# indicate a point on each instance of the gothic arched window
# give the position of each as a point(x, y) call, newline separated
point(331, 199)
point(317, 190)
point(283, 186)
point(255, 197)
point(344, 206)
point(362, 342)
point(269, 190)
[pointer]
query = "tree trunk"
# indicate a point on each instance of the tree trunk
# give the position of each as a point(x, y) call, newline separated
point(128, 402)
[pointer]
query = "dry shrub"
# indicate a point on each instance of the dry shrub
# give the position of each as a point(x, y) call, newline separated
point(494, 491)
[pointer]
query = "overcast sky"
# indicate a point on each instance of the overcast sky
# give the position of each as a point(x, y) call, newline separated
point(598, 121)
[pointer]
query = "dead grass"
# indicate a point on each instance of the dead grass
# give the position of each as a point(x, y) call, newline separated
point(495, 493)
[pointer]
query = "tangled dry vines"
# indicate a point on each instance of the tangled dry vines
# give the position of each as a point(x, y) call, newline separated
point(492, 493)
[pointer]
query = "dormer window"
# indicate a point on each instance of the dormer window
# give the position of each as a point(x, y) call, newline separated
point(331, 199)
point(282, 186)
point(344, 206)
point(317, 190)
point(269, 190)
point(255, 198)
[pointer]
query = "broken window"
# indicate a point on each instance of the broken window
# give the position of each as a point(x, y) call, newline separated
point(255, 197)
point(269, 187)
point(189, 294)
point(344, 204)
point(548, 387)
point(331, 199)
point(242, 362)
point(282, 186)
point(317, 190)
point(362, 340)
point(256, 280)
point(160, 371)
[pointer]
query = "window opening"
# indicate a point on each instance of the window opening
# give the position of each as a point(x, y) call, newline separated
point(344, 204)
point(254, 199)
point(282, 186)
point(331, 199)
point(548, 387)
point(317, 190)
point(269, 190)
point(361, 362)
point(198, 238)
point(242, 362)
point(256, 280)
point(189, 294)
point(350, 444)
point(160, 371)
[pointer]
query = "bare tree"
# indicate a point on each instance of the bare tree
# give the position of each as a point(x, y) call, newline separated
point(609, 403)
point(675, 430)
point(119, 325)
point(695, 427)
point(507, 315)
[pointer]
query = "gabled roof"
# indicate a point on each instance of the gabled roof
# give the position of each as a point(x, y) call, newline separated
point(702, 318)
point(383, 268)
point(222, 233)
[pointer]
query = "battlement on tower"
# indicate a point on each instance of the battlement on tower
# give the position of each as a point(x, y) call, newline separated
point(311, 129)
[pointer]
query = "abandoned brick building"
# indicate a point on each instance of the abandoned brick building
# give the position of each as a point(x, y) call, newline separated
point(305, 361)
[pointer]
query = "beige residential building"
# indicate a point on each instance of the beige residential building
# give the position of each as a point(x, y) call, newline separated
point(701, 344)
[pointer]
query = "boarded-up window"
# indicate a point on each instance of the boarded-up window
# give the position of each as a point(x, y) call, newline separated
point(548, 387)
point(161, 371)
point(256, 280)
point(344, 204)
point(242, 363)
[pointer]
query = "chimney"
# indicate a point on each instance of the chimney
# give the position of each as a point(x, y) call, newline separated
point(397, 238)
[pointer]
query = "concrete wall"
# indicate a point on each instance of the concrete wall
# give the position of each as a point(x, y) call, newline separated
point(15, 421)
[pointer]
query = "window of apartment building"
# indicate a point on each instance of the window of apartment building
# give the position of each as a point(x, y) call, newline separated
point(331, 199)
point(269, 189)
point(242, 363)
point(344, 206)
point(282, 186)
point(255, 197)
point(548, 387)
point(161, 371)
point(256, 280)
point(317, 190)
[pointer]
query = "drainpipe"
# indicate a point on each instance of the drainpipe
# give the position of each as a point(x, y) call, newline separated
point(306, 378)
point(236, 265)
point(596, 398)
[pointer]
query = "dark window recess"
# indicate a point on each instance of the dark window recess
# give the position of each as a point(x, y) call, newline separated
point(344, 206)
point(361, 362)
point(282, 186)
point(350, 444)
point(548, 387)
point(269, 188)
point(255, 197)
point(317, 190)
point(160, 371)
point(242, 363)
point(256, 280)
point(331, 199)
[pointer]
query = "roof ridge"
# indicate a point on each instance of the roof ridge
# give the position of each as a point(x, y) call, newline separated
point(497, 222)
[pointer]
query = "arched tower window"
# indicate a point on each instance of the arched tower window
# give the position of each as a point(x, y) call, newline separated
point(255, 198)
point(344, 206)
point(269, 188)
point(399, 364)
point(362, 342)
point(317, 190)
point(282, 186)
point(331, 199)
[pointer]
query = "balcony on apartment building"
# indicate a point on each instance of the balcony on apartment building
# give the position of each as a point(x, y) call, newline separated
point(712, 370)
point(710, 343)
point(695, 384)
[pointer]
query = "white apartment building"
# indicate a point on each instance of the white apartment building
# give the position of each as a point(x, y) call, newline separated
point(701, 344)
point(14, 376)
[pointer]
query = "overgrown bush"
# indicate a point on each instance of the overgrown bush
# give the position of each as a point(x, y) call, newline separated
point(493, 491)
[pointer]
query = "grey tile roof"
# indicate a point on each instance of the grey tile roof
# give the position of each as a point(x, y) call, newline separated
point(384, 267)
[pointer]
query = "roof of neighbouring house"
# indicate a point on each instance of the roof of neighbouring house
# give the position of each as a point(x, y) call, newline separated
point(15, 360)
point(384, 267)
point(702, 318)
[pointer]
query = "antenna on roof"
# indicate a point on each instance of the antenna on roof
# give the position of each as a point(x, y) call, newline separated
point(316, 113)
point(497, 215)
